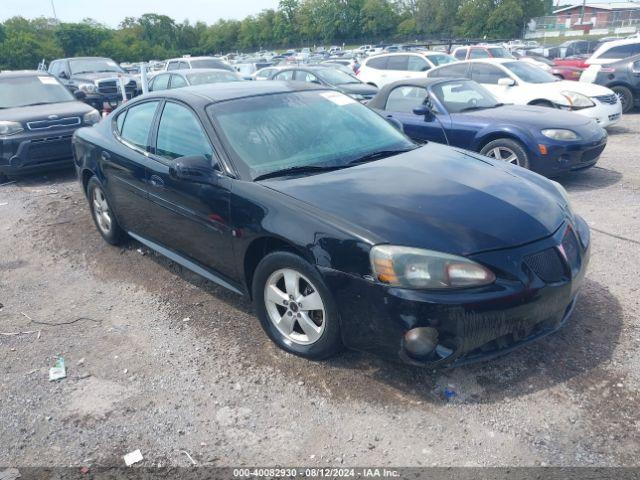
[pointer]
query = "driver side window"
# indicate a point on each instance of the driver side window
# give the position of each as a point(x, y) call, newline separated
point(487, 74)
point(180, 134)
point(405, 99)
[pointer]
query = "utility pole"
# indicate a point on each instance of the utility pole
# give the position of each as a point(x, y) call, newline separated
point(581, 12)
point(53, 7)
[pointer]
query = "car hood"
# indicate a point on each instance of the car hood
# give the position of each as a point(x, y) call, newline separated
point(93, 76)
point(359, 88)
point(42, 112)
point(588, 89)
point(435, 197)
point(528, 116)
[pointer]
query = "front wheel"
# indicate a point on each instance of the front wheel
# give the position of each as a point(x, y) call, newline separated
point(102, 213)
point(506, 150)
point(295, 307)
point(626, 97)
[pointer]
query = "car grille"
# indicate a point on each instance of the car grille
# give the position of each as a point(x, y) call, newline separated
point(610, 99)
point(54, 123)
point(111, 87)
point(592, 154)
point(48, 149)
point(548, 265)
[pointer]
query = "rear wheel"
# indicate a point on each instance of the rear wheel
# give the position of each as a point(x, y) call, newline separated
point(102, 213)
point(295, 307)
point(506, 150)
point(626, 97)
point(3, 178)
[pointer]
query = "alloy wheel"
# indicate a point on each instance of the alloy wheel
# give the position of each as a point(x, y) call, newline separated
point(101, 211)
point(294, 306)
point(504, 154)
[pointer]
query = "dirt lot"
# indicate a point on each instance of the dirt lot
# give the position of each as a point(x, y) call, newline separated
point(165, 362)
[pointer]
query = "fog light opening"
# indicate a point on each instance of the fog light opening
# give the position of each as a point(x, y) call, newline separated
point(421, 342)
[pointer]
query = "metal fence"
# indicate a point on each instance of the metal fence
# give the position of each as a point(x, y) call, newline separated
point(575, 23)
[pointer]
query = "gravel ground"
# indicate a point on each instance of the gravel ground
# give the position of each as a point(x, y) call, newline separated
point(162, 361)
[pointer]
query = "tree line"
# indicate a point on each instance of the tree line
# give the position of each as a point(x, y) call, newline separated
point(24, 43)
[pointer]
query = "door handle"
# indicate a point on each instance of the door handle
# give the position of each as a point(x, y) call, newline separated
point(105, 156)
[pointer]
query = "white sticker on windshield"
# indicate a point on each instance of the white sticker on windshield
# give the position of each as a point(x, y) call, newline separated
point(338, 98)
point(48, 80)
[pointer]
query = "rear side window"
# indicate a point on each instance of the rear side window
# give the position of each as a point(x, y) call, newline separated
point(180, 134)
point(622, 51)
point(461, 54)
point(286, 75)
point(161, 82)
point(455, 70)
point(305, 76)
point(177, 81)
point(173, 66)
point(405, 99)
point(417, 64)
point(379, 63)
point(483, 73)
point(184, 66)
point(137, 123)
point(398, 62)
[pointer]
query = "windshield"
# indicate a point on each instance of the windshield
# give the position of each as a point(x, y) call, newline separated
point(334, 76)
point(87, 65)
point(499, 52)
point(270, 133)
point(530, 73)
point(23, 91)
point(200, 78)
point(441, 59)
point(464, 95)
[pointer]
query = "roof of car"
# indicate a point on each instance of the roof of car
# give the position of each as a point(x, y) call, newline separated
point(187, 59)
point(489, 60)
point(220, 92)
point(193, 71)
point(83, 58)
point(23, 73)
point(379, 100)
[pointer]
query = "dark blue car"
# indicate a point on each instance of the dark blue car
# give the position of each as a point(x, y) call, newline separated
point(462, 113)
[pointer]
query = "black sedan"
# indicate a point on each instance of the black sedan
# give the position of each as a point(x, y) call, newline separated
point(330, 77)
point(623, 77)
point(341, 229)
point(38, 116)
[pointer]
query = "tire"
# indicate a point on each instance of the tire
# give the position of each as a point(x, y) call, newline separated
point(626, 97)
point(3, 178)
point(102, 213)
point(504, 148)
point(543, 103)
point(277, 273)
point(557, 75)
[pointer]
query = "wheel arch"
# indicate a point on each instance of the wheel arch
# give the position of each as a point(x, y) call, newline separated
point(496, 135)
point(85, 177)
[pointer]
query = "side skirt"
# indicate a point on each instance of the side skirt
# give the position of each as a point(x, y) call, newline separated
point(186, 263)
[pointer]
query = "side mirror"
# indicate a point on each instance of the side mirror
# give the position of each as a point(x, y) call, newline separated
point(506, 82)
point(64, 75)
point(80, 95)
point(193, 168)
point(424, 111)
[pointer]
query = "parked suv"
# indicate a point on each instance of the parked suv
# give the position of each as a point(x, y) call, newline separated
point(613, 51)
point(387, 68)
point(97, 77)
point(38, 116)
point(185, 63)
point(623, 77)
point(481, 51)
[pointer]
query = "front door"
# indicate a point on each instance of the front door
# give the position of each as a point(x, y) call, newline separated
point(192, 219)
point(400, 104)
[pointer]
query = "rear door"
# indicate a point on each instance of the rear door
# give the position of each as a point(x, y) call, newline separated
point(397, 69)
point(189, 218)
point(400, 104)
point(124, 165)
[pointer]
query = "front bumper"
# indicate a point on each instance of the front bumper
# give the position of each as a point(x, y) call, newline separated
point(29, 152)
point(605, 114)
point(564, 157)
point(473, 324)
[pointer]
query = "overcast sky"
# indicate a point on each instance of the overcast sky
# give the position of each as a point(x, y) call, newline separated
point(111, 12)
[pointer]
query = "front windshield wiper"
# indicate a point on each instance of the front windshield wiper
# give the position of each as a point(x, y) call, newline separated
point(369, 157)
point(36, 103)
point(299, 169)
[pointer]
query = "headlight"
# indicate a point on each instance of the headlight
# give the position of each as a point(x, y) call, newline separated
point(560, 134)
point(88, 87)
point(416, 268)
point(577, 100)
point(91, 117)
point(9, 128)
